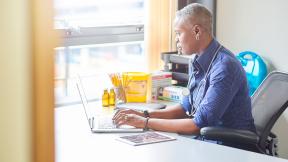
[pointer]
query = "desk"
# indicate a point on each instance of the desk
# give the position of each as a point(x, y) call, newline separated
point(76, 143)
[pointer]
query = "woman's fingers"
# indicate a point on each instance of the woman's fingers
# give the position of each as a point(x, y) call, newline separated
point(124, 111)
point(128, 117)
point(122, 118)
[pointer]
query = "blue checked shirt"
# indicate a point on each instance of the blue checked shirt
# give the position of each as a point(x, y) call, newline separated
point(222, 99)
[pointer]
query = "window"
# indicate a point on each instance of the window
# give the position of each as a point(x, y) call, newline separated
point(98, 37)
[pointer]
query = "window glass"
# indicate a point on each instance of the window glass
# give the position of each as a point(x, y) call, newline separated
point(99, 37)
point(91, 13)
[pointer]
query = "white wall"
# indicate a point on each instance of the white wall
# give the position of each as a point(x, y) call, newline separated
point(15, 105)
point(260, 26)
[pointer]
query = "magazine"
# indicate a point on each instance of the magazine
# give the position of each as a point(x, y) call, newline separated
point(145, 138)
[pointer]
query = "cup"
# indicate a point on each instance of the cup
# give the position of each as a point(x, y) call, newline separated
point(120, 94)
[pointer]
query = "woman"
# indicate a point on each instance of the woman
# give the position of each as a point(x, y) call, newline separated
point(217, 83)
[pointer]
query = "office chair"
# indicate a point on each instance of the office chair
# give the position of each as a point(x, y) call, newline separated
point(268, 102)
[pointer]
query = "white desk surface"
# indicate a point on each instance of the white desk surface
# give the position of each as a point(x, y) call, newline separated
point(76, 143)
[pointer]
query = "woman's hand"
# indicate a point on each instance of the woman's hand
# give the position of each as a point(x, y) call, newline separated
point(129, 117)
point(128, 111)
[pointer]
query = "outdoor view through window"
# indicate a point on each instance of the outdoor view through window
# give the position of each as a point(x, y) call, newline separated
point(98, 37)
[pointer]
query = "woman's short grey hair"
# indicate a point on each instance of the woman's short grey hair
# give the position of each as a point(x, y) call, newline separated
point(193, 14)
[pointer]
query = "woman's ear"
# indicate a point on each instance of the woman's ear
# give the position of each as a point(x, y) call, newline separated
point(197, 32)
point(196, 29)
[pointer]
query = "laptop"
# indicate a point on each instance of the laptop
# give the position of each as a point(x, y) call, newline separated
point(141, 106)
point(102, 123)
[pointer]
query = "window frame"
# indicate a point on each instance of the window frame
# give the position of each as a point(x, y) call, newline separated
point(101, 35)
point(94, 35)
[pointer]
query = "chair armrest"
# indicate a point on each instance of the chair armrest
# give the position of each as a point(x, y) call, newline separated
point(229, 135)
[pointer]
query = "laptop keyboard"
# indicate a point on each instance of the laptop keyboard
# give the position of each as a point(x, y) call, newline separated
point(106, 123)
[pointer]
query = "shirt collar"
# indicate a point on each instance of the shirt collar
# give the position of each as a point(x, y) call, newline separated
point(205, 58)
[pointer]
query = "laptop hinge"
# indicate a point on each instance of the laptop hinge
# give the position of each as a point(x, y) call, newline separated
point(91, 122)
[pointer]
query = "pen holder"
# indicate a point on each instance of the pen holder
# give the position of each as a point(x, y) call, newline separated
point(120, 94)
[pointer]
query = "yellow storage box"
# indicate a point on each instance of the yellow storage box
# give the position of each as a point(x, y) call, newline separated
point(135, 85)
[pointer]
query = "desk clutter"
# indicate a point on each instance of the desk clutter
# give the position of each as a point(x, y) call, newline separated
point(140, 87)
point(130, 86)
point(163, 89)
point(173, 93)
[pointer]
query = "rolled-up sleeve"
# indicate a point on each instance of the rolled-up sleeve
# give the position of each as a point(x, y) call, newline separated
point(223, 84)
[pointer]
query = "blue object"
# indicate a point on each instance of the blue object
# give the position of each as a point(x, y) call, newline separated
point(255, 68)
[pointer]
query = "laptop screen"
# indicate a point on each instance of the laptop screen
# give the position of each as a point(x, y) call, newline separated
point(84, 102)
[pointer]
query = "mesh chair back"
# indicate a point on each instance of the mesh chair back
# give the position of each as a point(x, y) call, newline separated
point(269, 101)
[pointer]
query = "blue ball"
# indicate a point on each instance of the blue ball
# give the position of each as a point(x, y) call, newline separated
point(256, 69)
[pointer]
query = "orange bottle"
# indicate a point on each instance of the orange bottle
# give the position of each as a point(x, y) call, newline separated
point(112, 97)
point(105, 98)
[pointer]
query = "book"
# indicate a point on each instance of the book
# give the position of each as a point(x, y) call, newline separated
point(145, 138)
point(173, 93)
point(159, 80)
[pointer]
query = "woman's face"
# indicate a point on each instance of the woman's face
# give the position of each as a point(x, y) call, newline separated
point(185, 39)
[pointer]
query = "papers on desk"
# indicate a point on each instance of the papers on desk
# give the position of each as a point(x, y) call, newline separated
point(145, 138)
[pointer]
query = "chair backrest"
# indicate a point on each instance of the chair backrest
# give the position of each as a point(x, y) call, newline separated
point(269, 101)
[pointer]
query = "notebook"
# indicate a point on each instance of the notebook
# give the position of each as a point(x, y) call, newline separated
point(145, 138)
point(102, 123)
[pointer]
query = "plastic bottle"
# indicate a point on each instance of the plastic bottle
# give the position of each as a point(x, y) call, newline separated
point(112, 97)
point(105, 98)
